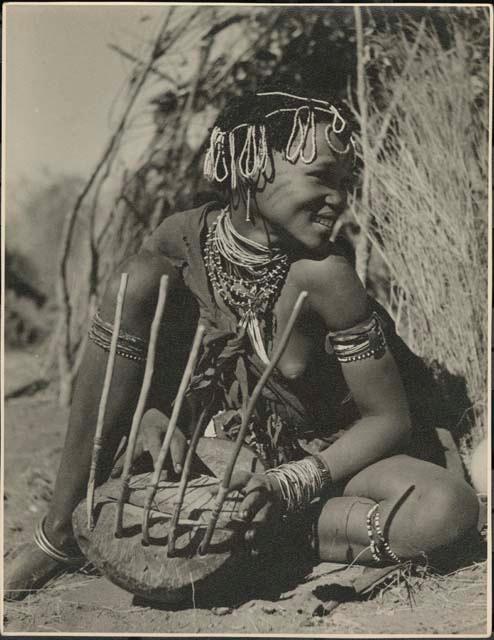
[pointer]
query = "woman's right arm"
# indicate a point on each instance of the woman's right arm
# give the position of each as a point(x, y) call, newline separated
point(144, 273)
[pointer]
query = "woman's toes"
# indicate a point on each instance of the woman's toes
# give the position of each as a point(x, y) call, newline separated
point(31, 569)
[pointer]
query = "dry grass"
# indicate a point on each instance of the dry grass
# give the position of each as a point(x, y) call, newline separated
point(428, 201)
point(414, 586)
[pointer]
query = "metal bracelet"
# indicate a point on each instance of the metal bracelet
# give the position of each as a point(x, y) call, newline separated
point(365, 340)
point(301, 482)
point(47, 547)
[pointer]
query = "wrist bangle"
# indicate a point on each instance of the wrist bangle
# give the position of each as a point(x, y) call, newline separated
point(324, 469)
point(300, 482)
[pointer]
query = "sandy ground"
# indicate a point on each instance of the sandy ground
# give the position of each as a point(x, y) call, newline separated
point(451, 602)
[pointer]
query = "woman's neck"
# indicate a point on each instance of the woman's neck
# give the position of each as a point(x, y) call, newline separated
point(257, 229)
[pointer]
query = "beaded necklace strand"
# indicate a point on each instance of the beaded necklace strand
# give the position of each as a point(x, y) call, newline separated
point(247, 275)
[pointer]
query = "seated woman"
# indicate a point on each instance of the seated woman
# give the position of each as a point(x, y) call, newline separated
point(285, 163)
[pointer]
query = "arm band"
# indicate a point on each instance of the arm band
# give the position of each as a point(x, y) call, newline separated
point(128, 346)
point(365, 340)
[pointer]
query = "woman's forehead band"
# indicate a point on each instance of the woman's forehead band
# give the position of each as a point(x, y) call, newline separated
point(253, 151)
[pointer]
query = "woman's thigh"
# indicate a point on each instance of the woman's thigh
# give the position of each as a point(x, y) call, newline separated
point(393, 476)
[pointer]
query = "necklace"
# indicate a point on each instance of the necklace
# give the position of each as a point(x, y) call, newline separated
point(247, 275)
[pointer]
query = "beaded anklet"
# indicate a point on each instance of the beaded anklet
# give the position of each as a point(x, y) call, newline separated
point(380, 549)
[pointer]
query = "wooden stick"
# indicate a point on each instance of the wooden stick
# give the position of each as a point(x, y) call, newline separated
point(110, 365)
point(141, 403)
point(225, 484)
point(177, 406)
point(198, 431)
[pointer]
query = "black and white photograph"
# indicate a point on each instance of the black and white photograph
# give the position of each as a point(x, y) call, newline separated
point(246, 319)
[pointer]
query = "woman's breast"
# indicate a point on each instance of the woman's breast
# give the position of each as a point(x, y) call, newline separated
point(305, 339)
point(296, 358)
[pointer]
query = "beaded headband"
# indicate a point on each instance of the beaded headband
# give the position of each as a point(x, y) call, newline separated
point(253, 153)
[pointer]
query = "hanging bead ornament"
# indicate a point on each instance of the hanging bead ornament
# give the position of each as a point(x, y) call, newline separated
point(253, 156)
point(215, 156)
point(302, 130)
point(247, 275)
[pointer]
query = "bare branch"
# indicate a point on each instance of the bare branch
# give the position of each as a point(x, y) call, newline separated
point(152, 68)
point(363, 245)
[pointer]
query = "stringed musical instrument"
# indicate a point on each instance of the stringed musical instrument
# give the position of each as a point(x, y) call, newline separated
point(148, 570)
point(157, 538)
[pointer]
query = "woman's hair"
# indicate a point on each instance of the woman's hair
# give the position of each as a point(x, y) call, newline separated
point(251, 126)
point(252, 108)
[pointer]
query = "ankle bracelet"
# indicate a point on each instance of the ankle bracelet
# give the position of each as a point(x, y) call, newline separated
point(47, 547)
point(380, 549)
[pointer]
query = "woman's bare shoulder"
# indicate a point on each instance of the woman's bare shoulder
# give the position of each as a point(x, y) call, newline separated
point(167, 238)
point(336, 293)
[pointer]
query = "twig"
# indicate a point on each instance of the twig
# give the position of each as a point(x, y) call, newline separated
point(218, 83)
point(98, 441)
point(177, 406)
point(225, 485)
point(152, 68)
point(141, 403)
point(35, 386)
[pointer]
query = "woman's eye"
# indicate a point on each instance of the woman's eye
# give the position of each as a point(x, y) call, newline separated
point(347, 184)
point(323, 177)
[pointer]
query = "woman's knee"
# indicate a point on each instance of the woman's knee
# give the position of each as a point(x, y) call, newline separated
point(422, 506)
point(449, 506)
point(435, 514)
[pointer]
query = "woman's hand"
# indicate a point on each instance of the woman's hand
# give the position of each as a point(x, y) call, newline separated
point(260, 508)
point(151, 434)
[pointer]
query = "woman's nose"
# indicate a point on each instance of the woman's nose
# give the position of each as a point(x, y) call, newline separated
point(335, 199)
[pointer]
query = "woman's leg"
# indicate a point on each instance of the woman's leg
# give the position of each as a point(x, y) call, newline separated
point(421, 506)
point(32, 566)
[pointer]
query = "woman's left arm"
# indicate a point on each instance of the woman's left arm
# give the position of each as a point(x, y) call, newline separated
point(338, 297)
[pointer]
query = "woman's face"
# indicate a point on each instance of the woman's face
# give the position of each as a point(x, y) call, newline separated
point(303, 201)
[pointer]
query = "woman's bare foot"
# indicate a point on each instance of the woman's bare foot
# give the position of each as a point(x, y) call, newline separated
point(30, 570)
point(37, 562)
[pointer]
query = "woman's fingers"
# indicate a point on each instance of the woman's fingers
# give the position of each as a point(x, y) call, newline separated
point(118, 465)
point(258, 524)
point(238, 482)
point(153, 428)
point(153, 424)
point(151, 437)
point(257, 495)
point(178, 449)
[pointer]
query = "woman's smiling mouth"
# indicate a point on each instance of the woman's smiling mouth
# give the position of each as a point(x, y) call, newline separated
point(325, 220)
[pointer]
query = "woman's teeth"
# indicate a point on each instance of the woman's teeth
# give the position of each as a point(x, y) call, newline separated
point(326, 222)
